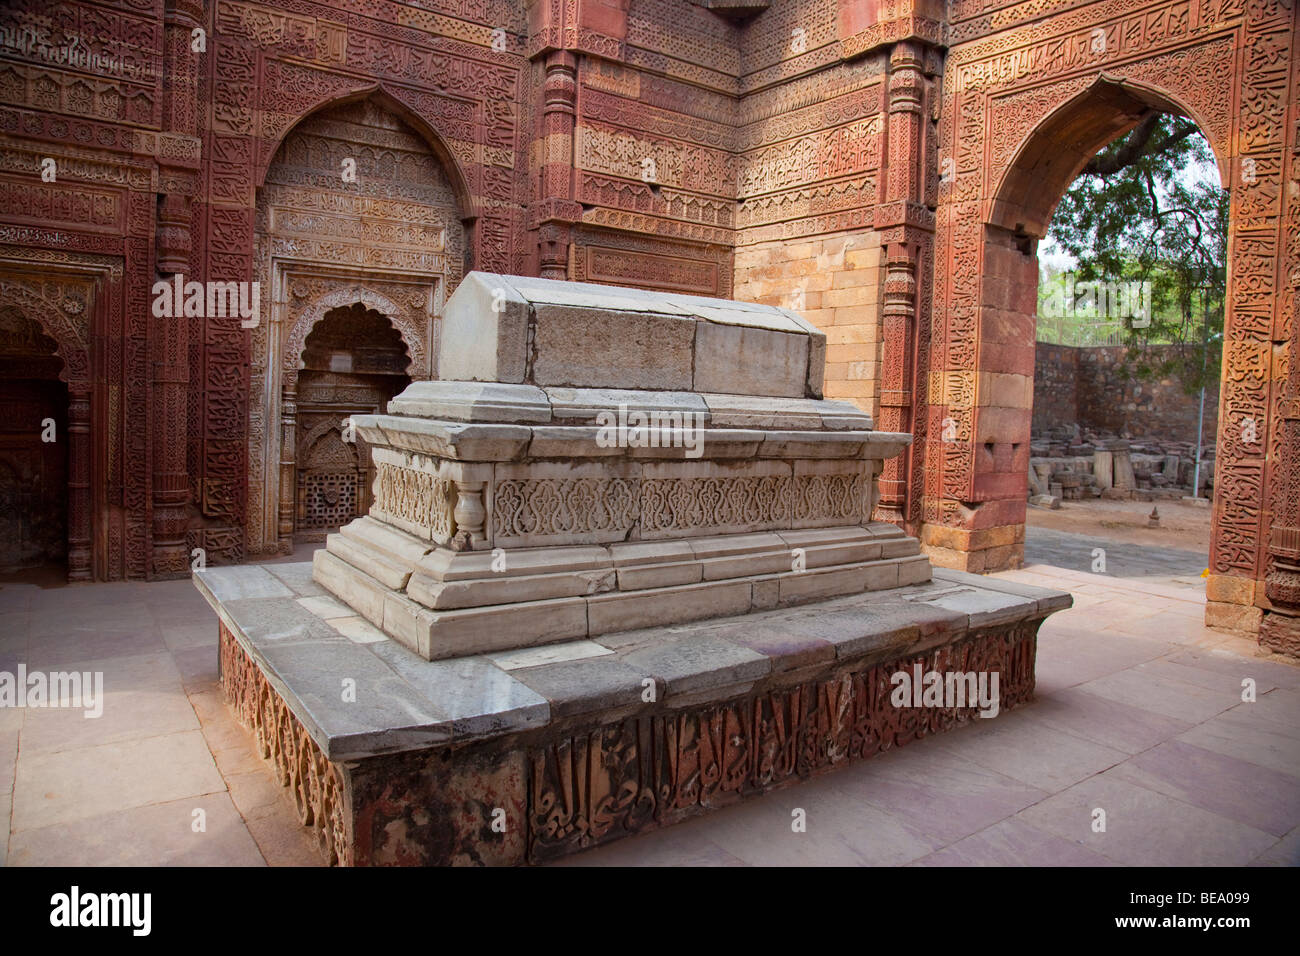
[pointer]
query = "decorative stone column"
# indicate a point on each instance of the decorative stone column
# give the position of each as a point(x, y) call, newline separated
point(470, 515)
point(556, 208)
point(907, 228)
point(79, 490)
point(288, 461)
point(562, 37)
point(178, 163)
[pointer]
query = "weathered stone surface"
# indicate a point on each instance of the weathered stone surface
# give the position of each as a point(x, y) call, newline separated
point(578, 687)
point(548, 654)
point(699, 661)
point(480, 630)
point(371, 561)
point(479, 698)
point(985, 608)
point(484, 331)
point(466, 401)
point(352, 586)
point(357, 703)
point(462, 441)
point(746, 411)
point(274, 620)
point(875, 630)
point(828, 546)
point(660, 575)
point(787, 647)
point(584, 404)
point(1047, 600)
point(393, 543)
point(914, 570)
point(603, 348)
point(233, 584)
point(623, 611)
point(733, 358)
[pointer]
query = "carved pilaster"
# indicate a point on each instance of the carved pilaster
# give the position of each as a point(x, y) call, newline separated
point(906, 226)
point(288, 462)
point(178, 159)
point(555, 205)
point(1280, 629)
point(79, 490)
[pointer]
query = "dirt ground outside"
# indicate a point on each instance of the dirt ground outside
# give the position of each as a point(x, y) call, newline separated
point(1182, 526)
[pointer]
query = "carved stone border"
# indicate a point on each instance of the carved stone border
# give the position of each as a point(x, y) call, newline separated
point(581, 783)
point(315, 783)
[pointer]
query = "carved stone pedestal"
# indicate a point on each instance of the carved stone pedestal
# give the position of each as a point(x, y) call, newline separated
point(1280, 633)
point(525, 756)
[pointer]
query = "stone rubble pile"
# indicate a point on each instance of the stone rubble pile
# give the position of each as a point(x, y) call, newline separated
point(1067, 462)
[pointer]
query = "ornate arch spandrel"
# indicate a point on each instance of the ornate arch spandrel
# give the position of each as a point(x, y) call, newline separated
point(1026, 157)
point(411, 331)
point(403, 104)
point(315, 433)
point(64, 322)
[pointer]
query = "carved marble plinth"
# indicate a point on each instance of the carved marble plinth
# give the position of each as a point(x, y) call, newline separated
point(528, 755)
point(535, 498)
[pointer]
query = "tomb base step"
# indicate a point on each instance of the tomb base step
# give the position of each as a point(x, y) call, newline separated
point(525, 756)
point(444, 604)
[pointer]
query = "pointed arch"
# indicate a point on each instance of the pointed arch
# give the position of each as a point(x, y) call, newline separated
point(1042, 169)
point(425, 127)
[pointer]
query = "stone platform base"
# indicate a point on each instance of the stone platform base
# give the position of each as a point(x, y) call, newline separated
point(443, 604)
point(525, 756)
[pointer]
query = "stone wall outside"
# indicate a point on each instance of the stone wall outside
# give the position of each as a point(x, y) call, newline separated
point(1086, 384)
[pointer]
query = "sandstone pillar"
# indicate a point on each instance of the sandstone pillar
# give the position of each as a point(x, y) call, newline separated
point(178, 164)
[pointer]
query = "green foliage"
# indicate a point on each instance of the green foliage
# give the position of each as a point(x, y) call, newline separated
point(1139, 214)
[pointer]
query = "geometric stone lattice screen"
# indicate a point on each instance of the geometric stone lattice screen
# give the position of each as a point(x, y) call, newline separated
point(619, 569)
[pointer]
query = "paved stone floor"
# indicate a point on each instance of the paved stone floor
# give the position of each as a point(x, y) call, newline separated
point(1138, 713)
point(1064, 549)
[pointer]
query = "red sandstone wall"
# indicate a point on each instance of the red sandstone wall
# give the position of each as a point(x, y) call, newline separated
point(809, 177)
point(654, 152)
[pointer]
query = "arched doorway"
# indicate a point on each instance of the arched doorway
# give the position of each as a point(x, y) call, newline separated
point(354, 362)
point(1128, 359)
point(1017, 157)
point(356, 213)
point(34, 443)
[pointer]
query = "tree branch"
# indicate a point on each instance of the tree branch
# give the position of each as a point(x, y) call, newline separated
point(1135, 146)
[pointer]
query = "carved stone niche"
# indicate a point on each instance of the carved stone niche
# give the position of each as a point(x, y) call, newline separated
point(605, 459)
